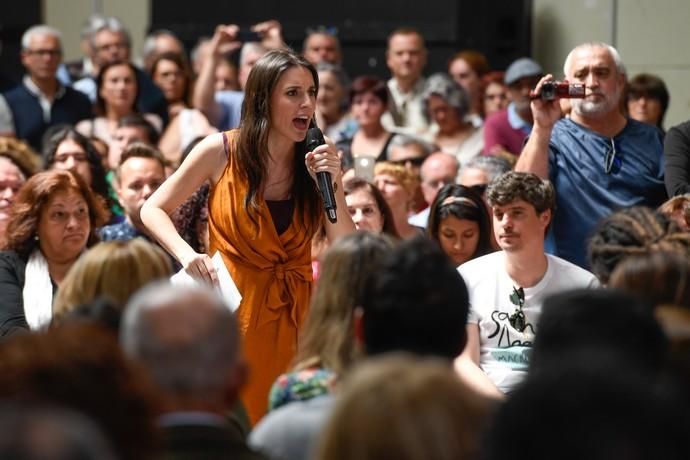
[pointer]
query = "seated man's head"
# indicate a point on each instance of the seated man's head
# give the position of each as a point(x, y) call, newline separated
point(416, 302)
point(188, 339)
point(438, 169)
point(132, 128)
point(322, 45)
point(140, 173)
point(408, 152)
point(601, 69)
point(520, 78)
point(522, 205)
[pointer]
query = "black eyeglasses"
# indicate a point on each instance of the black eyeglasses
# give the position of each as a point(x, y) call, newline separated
point(611, 158)
point(517, 319)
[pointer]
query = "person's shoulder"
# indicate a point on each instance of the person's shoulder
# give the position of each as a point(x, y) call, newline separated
point(475, 270)
point(572, 274)
point(229, 96)
point(642, 131)
point(10, 258)
point(497, 118)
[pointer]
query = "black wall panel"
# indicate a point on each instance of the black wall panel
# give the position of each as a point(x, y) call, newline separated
point(16, 17)
point(499, 28)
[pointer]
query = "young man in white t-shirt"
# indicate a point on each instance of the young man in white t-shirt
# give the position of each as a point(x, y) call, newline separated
point(507, 288)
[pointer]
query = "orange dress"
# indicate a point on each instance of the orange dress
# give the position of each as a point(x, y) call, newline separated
point(273, 274)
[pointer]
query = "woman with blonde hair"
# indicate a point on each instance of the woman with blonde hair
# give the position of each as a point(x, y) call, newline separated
point(326, 349)
point(405, 408)
point(114, 269)
point(398, 186)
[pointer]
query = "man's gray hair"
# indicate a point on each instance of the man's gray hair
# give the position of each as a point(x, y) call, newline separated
point(403, 140)
point(491, 165)
point(149, 47)
point(112, 24)
point(186, 336)
point(40, 29)
point(615, 55)
point(251, 47)
point(337, 71)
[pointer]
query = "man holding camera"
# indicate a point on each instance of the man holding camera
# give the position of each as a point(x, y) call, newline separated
point(598, 160)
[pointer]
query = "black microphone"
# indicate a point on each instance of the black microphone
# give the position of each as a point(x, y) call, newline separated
point(323, 178)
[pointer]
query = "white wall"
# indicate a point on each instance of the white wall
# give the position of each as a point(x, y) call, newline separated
point(651, 35)
point(69, 17)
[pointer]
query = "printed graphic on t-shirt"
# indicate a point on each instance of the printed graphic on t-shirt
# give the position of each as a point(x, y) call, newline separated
point(506, 344)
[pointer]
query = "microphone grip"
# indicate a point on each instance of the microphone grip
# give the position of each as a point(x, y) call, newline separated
point(323, 179)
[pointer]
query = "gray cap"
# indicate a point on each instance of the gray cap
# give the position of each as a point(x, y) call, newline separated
point(521, 68)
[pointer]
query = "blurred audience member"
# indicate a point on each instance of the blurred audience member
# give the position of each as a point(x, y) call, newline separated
point(188, 339)
point(468, 68)
point(647, 99)
point(41, 101)
point(53, 219)
point(114, 270)
point(438, 170)
point(677, 209)
point(677, 159)
point(368, 207)
point(321, 45)
point(480, 171)
point(160, 41)
point(331, 102)
point(494, 93)
point(398, 187)
point(446, 106)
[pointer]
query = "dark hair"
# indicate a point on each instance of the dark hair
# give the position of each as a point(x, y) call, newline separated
point(81, 366)
point(100, 102)
point(652, 87)
point(465, 204)
point(98, 180)
point(357, 183)
point(587, 405)
point(137, 120)
point(636, 230)
point(33, 196)
point(180, 61)
point(369, 84)
point(528, 187)
point(252, 143)
point(605, 320)
point(415, 302)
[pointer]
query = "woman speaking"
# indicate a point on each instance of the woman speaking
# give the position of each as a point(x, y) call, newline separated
point(264, 208)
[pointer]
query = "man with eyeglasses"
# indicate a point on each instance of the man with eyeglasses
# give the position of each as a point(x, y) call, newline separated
point(598, 159)
point(40, 100)
point(507, 287)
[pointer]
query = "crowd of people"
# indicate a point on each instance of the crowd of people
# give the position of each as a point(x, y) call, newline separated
point(506, 274)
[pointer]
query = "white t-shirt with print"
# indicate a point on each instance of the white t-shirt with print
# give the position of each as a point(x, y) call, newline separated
point(504, 351)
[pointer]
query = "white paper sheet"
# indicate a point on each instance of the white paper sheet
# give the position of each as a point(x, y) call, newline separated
point(227, 287)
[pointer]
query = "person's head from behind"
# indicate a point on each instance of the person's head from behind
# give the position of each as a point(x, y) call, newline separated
point(459, 222)
point(608, 321)
point(368, 100)
point(647, 99)
point(114, 269)
point(68, 149)
point(406, 54)
point(131, 128)
point(590, 405)
point(601, 69)
point(368, 208)
point(658, 277)
point(405, 408)
point(81, 367)
point(416, 302)
point(187, 338)
point(522, 205)
point(630, 231)
point(445, 103)
point(140, 173)
point(322, 45)
point(438, 170)
point(57, 213)
point(48, 432)
point(327, 339)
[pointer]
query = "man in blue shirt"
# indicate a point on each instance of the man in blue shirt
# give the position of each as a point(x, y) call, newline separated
point(598, 160)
